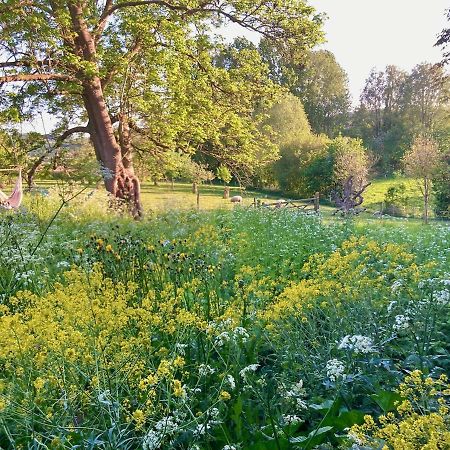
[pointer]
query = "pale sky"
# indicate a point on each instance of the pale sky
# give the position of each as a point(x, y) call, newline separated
point(374, 33)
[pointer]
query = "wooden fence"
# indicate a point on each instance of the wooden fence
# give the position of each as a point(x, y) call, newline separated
point(302, 204)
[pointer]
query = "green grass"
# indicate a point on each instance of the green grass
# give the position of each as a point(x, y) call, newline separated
point(165, 198)
point(375, 193)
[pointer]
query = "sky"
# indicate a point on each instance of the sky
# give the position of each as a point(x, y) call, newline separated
point(364, 34)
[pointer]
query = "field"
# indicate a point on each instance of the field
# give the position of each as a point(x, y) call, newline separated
point(164, 196)
point(225, 328)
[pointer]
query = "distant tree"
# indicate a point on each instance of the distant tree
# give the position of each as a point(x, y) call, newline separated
point(441, 179)
point(318, 80)
point(350, 160)
point(222, 173)
point(302, 154)
point(197, 174)
point(441, 188)
point(422, 162)
point(287, 120)
point(427, 91)
point(350, 172)
point(322, 87)
point(444, 41)
point(395, 105)
point(372, 98)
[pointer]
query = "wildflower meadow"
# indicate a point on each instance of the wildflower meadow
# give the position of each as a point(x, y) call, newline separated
point(246, 329)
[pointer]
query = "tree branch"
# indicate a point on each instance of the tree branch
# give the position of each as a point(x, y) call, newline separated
point(110, 9)
point(36, 77)
point(69, 132)
point(134, 50)
point(51, 149)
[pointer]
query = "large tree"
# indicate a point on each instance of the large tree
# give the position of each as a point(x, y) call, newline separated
point(318, 80)
point(323, 88)
point(93, 60)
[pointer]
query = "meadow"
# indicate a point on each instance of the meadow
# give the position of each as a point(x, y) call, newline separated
point(225, 328)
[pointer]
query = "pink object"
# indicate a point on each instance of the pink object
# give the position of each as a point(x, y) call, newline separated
point(15, 199)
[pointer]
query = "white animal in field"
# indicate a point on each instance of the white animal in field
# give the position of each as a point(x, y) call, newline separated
point(236, 199)
point(279, 203)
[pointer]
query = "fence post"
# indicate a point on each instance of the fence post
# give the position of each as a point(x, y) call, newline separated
point(316, 202)
point(198, 200)
point(254, 202)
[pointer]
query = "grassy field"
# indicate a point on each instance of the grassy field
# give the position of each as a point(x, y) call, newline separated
point(375, 193)
point(163, 197)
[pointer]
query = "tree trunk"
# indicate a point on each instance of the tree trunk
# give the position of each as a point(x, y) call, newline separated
point(118, 174)
point(194, 187)
point(226, 192)
point(426, 194)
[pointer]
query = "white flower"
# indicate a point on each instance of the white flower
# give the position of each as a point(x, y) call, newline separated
point(401, 322)
point(222, 339)
point(357, 343)
point(442, 297)
point(396, 285)
point(335, 369)
point(250, 368)
point(181, 348)
point(60, 264)
point(151, 440)
point(231, 381)
point(102, 397)
point(214, 413)
point(292, 419)
point(230, 447)
point(204, 370)
point(391, 306)
point(241, 332)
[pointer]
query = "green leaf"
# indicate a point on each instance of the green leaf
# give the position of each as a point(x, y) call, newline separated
point(386, 400)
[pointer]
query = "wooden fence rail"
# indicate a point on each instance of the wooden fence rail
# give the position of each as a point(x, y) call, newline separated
point(304, 204)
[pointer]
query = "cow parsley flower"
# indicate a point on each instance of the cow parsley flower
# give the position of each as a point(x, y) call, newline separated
point(357, 343)
point(335, 369)
point(401, 322)
point(231, 381)
point(246, 370)
point(291, 419)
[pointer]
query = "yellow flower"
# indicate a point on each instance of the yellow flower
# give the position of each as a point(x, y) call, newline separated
point(39, 383)
point(178, 390)
point(139, 418)
point(224, 395)
point(108, 248)
point(164, 368)
point(3, 404)
point(70, 354)
point(178, 361)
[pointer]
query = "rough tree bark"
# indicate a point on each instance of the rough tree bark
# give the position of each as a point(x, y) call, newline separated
point(119, 177)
